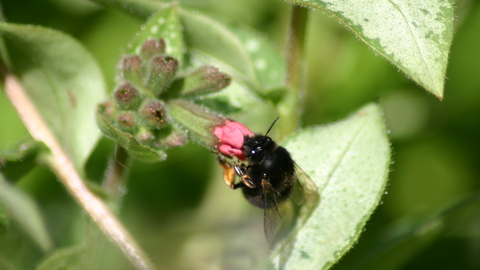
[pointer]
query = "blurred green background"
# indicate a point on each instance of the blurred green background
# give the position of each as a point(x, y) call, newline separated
point(185, 217)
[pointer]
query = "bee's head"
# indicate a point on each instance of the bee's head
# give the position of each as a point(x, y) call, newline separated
point(257, 146)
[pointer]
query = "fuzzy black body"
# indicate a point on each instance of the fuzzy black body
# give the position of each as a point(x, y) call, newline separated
point(271, 170)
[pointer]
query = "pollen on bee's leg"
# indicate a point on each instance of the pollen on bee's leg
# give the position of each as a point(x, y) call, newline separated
point(228, 172)
point(229, 177)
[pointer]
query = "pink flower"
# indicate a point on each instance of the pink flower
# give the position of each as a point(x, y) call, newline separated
point(231, 136)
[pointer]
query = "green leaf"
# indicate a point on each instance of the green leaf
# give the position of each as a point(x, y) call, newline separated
point(396, 250)
point(166, 25)
point(25, 212)
point(64, 259)
point(241, 53)
point(62, 80)
point(17, 161)
point(233, 48)
point(414, 35)
point(210, 42)
point(349, 162)
point(140, 8)
point(11, 243)
point(234, 98)
point(268, 63)
point(398, 244)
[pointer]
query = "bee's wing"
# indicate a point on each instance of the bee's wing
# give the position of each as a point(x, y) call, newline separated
point(302, 202)
point(305, 196)
point(289, 215)
point(273, 216)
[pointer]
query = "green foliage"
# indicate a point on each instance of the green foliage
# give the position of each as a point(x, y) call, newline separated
point(351, 178)
point(414, 35)
point(66, 258)
point(185, 72)
point(18, 160)
point(143, 115)
point(25, 212)
point(64, 82)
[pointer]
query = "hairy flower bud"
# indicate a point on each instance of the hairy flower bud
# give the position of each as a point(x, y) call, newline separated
point(152, 114)
point(203, 80)
point(130, 68)
point(107, 109)
point(144, 136)
point(176, 138)
point(161, 72)
point(152, 47)
point(126, 121)
point(199, 121)
point(127, 97)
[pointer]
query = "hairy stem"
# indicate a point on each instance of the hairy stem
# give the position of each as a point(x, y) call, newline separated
point(117, 169)
point(64, 168)
point(290, 106)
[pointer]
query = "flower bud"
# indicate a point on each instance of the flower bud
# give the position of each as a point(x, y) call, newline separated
point(152, 114)
point(205, 79)
point(126, 121)
point(144, 136)
point(176, 137)
point(231, 137)
point(161, 72)
point(107, 109)
point(127, 97)
point(152, 47)
point(130, 68)
point(199, 121)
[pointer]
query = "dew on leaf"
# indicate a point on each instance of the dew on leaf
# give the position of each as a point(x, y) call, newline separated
point(261, 64)
point(154, 29)
point(252, 45)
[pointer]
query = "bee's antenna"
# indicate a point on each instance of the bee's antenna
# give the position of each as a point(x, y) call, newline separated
point(274, 121)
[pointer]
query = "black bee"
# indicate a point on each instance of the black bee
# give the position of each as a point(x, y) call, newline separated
point(271, 180)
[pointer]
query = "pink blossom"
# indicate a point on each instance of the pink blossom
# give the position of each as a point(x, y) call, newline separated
point(231, 136)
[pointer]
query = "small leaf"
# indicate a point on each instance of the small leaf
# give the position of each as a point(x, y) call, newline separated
point(17, 161)
point(166, 25)
point(25, 212)
point(62, 80)
point(414, 35)
point(349, 163)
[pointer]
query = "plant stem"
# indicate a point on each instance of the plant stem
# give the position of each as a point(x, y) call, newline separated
point(290, 106)
point(116, 172)
point(64, 168)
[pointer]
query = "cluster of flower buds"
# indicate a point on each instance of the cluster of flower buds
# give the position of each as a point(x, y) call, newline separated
point(152, 103)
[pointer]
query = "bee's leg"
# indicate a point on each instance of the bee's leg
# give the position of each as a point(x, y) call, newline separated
point(238, 185)
point(228, 172)
point(240, 170)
